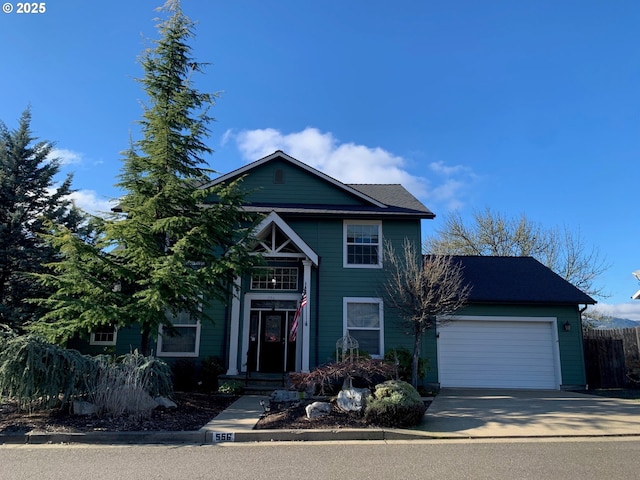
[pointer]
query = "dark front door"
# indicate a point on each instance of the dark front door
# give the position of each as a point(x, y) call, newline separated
point(273, 341)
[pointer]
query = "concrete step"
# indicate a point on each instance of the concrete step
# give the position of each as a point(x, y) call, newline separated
point(257, 383)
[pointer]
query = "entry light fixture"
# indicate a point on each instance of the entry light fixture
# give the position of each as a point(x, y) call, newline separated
point(567, 326)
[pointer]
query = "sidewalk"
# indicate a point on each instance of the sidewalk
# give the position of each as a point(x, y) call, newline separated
point(453, 414)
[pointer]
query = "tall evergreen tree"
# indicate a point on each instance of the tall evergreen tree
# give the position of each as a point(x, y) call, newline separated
point(29, 198)
point(179, 243)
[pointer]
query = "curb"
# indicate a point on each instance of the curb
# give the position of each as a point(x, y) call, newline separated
point(206, 436)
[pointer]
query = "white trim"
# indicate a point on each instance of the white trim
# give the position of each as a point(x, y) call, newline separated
point(234, 331)
point(181, 354)
point(553, 321)
point(377, 300)
point(298, 163)
point(345, 224)
point(276, 219)
point(246, 321)
point(305, 348)
point(92, 340)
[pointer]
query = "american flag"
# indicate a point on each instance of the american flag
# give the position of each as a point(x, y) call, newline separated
point(293, 332)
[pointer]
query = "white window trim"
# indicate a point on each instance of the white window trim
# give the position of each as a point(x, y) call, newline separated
point(193, 354)
point(93, 341)
point(345, 326)
point(345, 263)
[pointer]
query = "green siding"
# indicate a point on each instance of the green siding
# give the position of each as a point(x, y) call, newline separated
point(299, 187)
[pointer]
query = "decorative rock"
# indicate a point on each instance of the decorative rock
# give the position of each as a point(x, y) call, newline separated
point(165, 403)
point(83, 408)
point(353, 399)
point(279, 396)
point(318, 409)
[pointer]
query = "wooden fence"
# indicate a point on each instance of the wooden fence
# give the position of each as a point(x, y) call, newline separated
point(612, 358)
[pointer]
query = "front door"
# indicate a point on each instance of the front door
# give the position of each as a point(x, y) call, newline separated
point(273, 337)
point(270, 350)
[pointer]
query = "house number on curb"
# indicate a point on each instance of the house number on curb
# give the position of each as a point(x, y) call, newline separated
point(224, 437)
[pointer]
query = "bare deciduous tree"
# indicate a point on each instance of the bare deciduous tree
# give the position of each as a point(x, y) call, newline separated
point(421, 288)
point(489, 233)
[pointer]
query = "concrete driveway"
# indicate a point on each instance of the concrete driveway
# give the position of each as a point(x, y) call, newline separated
point(528, 413)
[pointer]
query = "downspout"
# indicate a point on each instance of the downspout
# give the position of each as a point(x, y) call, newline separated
point(584, 366)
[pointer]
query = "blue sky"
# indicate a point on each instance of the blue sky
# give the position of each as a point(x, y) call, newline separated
point(529, 106)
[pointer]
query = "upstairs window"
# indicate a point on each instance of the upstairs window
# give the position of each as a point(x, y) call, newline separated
point(275, 278)
point(362, 244)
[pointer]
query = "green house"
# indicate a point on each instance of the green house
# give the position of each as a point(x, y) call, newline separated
point(322, 243)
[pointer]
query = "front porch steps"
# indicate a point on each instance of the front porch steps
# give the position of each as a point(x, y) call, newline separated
point(257, 383)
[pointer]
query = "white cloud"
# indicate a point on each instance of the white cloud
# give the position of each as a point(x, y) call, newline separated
point(64, 156)
point(629, 310)
point(352, 163)
point(90, 202)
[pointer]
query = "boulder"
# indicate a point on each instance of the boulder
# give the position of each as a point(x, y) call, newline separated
point(318, 409)
point(353, 399)
point(79, 407)
point(164, 402)
point(282, 396)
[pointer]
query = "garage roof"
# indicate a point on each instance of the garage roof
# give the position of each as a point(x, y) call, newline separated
point(517, 280)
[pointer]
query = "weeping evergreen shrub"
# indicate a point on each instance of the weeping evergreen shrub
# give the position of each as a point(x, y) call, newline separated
point(38, 374)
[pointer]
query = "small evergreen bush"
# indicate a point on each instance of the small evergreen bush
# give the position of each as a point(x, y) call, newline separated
point(231, 387)
point(395, 404)
point(211, 369)
point(402, 358)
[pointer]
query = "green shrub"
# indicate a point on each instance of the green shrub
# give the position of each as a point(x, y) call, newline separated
point(38, 374)
point(402, 358)
point(395, 404)
point(232, 387)
point(211, 369)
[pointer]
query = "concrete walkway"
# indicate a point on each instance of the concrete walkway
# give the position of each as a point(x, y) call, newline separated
point(453, 414)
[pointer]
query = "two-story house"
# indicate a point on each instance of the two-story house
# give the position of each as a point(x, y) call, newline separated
point(322, 241)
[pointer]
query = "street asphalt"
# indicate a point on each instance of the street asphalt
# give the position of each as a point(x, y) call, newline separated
point(453, 414)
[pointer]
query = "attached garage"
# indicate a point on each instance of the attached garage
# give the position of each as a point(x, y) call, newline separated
point(499, 352)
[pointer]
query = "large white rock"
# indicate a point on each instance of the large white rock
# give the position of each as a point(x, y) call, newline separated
point(352, 399)
point(318, 409)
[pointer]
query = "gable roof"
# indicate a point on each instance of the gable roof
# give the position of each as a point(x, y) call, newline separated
point(389, 199)
point(274, 218)
point(517, 280)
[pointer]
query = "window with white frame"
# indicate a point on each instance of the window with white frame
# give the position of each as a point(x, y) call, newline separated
point(104, 335)
point(363, 320)
point(275, 278)
point(181, 341)
point(362, 244)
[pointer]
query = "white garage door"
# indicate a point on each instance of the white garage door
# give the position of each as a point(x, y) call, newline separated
point(483, 353)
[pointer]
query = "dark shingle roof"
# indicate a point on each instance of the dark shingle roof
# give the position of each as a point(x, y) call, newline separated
point(517, 280)
point(391, 194)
